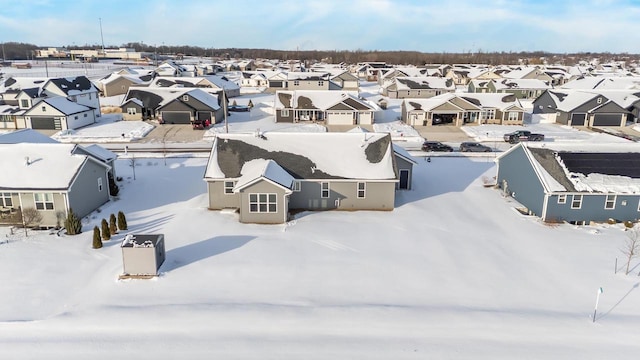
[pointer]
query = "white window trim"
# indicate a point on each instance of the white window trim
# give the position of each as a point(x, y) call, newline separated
point(4, 197)
point(610, 204)
point(297, 185)
point(228, 187)
point(512, 116)
point(562, 199)
point(44, 201)
point(131, 111)
point(364, 190)
point(284, 112)
point(322, 190)
point(574, 199)
point(185, 97)
point(267, 203)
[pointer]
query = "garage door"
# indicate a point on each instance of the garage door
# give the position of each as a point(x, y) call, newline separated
point(577, 119)
point(339, 118)
point(176, 117)
point(607, 120)
point(44, 123)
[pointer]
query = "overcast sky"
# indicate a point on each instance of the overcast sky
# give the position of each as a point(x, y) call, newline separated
point(422, 25)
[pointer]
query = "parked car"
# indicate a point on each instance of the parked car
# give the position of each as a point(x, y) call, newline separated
point(522, 135)
point(238, 108)
point(436, 146)
point(469, 146)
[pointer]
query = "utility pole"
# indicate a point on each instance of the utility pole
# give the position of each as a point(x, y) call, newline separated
point(101, 36)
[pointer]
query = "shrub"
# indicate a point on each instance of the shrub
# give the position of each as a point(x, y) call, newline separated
point(122, 221)
point(72, 223)
point(628, 224)
point(250, 104)
point(106, 233)
point(113, 187)
point(97, 242)
point(113, 229)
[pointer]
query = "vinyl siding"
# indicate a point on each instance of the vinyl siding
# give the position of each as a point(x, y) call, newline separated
point(522, 182)
point(343, 196)
point(84, 196)
point(264, 187)
point(218, 199)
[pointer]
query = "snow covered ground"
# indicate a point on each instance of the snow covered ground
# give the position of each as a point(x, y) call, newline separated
point(108, 128)
point(453, 272)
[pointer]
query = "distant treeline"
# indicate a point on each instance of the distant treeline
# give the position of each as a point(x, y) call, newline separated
point(21, 51)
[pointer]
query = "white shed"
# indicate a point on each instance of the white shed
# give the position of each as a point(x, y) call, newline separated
point(142, 254)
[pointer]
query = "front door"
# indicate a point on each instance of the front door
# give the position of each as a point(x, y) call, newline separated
point(404, 179)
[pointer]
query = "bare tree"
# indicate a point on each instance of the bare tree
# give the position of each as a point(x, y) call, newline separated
point(30, 217)
point(631, 247)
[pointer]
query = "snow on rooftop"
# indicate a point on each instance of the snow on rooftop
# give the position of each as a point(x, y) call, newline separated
point(337, 154)
point(256, 169)
point(65, 105)
point(38, 166)
point(25, 136)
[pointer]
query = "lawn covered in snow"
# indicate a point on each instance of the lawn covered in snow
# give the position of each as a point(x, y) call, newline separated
point(453, 272)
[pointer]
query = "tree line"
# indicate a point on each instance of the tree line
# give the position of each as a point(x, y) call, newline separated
point(21, 51)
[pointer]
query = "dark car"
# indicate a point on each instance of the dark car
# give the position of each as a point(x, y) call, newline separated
point(474, 147)
point(436, 146)
point(238, 108)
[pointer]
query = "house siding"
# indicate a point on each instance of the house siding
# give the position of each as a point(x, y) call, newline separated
point(49, 217)
point(218, 199)
point(403, 164)
point(521, 180)
point(84, 196)
point(592, 208)
point(343, 196)
point(544, 104)
point(280, 118)
point(117, 87)
point(262, 186)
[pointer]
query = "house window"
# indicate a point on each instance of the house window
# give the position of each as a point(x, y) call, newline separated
point(599, 101)
point(6, 200)
point(284, 112)
point(99, 184)
point(228, 187)
point(296, 83)
point(562, 199)
point(513, 116)
point(43, 201)
point(44, 109)
point(576, 202)
point(185, 97)
point(320, 83)
point(324, 190)
point(24, 103)
point(296, 185)
point(488, 114)
point(610, 202)
point(362, 190)
point(75, 117)
point(263, 203)
point(131, 111)
point(85, 114)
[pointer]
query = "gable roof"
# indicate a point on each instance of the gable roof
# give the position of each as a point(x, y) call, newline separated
point(74, 85)
point(62, 104)
point(502, 84)
point(306, 155)
point(25, 136)
point(318, 99)
point(42, 158)
point(257, 169)
point(598, 168)
point(425, 82)
point(492, 100)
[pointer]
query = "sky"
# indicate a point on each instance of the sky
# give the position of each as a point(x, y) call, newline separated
point(420, 25)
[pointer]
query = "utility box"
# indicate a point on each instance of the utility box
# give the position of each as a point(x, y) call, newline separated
point(142, 255)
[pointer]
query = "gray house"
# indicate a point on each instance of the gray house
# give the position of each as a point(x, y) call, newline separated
point(573, 182)
point(266, 175)
point(583, 108)
point(51, 178)
point(142, 254)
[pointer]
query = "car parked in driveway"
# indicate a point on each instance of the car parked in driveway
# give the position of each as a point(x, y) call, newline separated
point(436, 146)
point(238, 108)
point(470, 146)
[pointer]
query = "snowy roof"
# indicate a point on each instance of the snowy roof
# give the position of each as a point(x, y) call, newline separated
point(135, 101)
point(604, 83)
point(11, 110)
point(501, 84)
point(74, 85)
point(318, 99)
point(114, 76)
point(256, 169)
point(425, 82)
point(519, 73)
point(155, 97)
point(136, 241)
point(598, 167)
point(63, 105)
point(100, 152)
point(50, 166)
point(308, 75)
point(491, 100)
point(571, 100)
point(25, 136)
point(306, 155)
point(205, 98)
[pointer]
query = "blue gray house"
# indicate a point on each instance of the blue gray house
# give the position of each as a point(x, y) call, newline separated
point(576, 183)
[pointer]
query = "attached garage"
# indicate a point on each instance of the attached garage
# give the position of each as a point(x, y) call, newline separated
point(340, 117)
point(176, 117)
point(607, 120)
point(45, 123)
point(578, 119)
